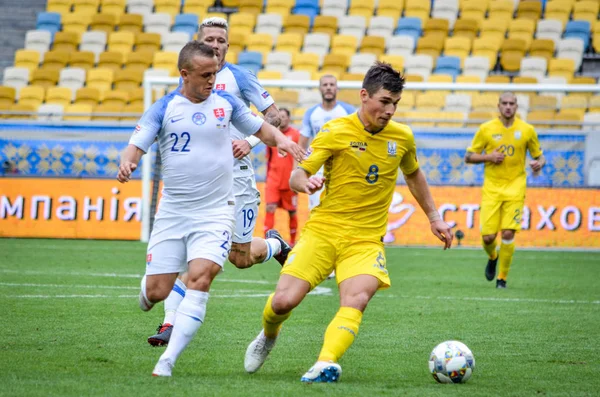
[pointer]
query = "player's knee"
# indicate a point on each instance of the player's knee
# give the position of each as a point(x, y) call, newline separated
point(508, 234)
point(488, 239)
point(157, 293)
point(271, 207)
point(241, 261)
point(200, 282)
point(283, 303)
point(357, 301)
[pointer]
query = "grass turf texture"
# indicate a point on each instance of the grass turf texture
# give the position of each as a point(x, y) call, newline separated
point(538, 337)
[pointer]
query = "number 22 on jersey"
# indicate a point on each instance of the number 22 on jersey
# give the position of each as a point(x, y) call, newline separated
point(183, 145)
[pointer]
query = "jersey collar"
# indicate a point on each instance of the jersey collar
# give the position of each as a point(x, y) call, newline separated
point(360, 123)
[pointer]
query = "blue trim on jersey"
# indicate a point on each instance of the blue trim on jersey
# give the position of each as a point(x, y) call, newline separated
point(156, 112)
point(347, 107)
point(242, 78)
point(235, 102)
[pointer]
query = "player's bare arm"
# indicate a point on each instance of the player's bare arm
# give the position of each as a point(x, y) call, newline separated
point(302, 182)
point(129, 161)
point(272, 115)
point(417, 184)
point(243, 147)
point(495, 157)
point(303, 142)
point(537, 163)
point(273, 137)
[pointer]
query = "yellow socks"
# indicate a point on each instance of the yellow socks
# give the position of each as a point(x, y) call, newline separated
point(340, 334)
point(507, 249)
point(490, 249)
point(271, 321)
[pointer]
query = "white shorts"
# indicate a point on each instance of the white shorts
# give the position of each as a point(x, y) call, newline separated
point(176, 240)
point(247, 200)
point(315, 198)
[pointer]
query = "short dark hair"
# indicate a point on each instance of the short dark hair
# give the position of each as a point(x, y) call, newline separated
point(285, 110)
point(383, 75)
point(190, 50)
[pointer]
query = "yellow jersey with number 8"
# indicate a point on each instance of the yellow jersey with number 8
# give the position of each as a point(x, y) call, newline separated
point(360, 172)
point(506, 181)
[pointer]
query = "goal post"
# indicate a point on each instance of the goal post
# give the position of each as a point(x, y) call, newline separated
point(151, 82)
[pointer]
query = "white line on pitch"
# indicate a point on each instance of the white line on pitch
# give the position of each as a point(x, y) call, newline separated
point(494, 299)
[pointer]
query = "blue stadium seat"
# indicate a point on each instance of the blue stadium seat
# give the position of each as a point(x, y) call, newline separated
point(251, 60)
point(409, 27)
point(578, 30)
point(49, 21)
point(307, 7)
point(448, 65)
point(186, 23)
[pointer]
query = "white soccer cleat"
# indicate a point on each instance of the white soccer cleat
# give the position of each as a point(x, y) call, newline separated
point(163, 367)
point(257, 352)
point(332, 275)
point(323, 372)
point(145, 304)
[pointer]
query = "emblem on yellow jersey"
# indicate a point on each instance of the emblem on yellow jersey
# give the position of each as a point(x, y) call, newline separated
point(392, 149)
point(517, 134)
point(497, 137)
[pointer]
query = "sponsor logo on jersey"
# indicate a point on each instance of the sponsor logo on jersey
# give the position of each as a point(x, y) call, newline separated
point(392, 149)
point(517, 134)
point(137, 129)
point(265, 95)
point(199, 118)
point(360, 146)
point(220, 87)
point(497, 137)
point(148, 259)
point(219, 113)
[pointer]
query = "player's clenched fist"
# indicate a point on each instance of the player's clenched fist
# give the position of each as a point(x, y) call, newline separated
point(125, 171)
point(241, 148)
point(496, 157)
point(314, 184)
point(290, 147)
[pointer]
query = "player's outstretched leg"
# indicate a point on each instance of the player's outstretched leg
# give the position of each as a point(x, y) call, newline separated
point(323, 372)
point(281, 257)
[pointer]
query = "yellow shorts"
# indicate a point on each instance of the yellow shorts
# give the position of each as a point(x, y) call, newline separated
point(318, 253)
point(500, 215)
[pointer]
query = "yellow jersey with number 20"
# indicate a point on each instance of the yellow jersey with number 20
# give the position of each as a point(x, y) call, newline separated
point(506, 181)
point(360, 172)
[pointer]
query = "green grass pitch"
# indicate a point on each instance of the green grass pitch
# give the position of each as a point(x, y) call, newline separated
point(72, 327)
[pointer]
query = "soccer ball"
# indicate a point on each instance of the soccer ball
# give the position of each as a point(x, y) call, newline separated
point(451, 362)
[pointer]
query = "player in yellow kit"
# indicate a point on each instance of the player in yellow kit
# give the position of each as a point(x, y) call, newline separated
point(502, 144)
point(361, 153)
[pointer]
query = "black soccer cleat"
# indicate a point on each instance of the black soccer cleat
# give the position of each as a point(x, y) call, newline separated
point(501, 283)
point(163, 335)
point(490, 269)
point(285, 247)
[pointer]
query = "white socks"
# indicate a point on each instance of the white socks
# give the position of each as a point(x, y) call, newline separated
point(273, 248)
point(188, 319)
point(173, 300)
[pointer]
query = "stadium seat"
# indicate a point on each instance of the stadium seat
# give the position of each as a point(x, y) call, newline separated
point(269, 75)
point(111, 60)
point(115, 98)
point(502, 9)
point(445, 9)
point(457, 103)
point(420, 65)
point(94, 42)
point(281, 7)
point(174, 41)
point(107, 112)
point(549, 29)
point(290, 42)
point(353, 25)
point(571, 117)
point(360, 63)
point(61, 7)
point(409, 27)
point(420, 119)
point(575, 102)
point(344, 44)
point(171, 7)
point(149, 42)
point(529, 9)
point(390, 8)
point(372, 45)
point(44, 77)
point(271, 24)
point(594, 103)
point(66, 41)
point(253, 7)
point(451, 119)
point(198, 7)
point(50, 112)
point(571, 49)
point(251, 60)
point(401, 45)
point(278, 61)
point(308, 98)
point(364, 8)
point(479, 117)
point(397, 61)
point(381, 26)
point(497, 79)
point(104, 22)
point(116, 7)
point(592, 118)
point(38, 40)
point(259, 42)
point(335, 63)
point(586, 11)
point(297, 24)
point(543, 102)
point(78, 112)
point(165, 60)
point(584, 80)
point(466, 28)
point(15, 77)
point(486, 102)
point(473, 10)
point(533, 67)
point(306, 61)
point(32, 95)
point(49, 21)
point(29, 107)
point(562, 67)
point(28, 59)
point(186, 23)
point(543, 48)
point(522, 29)
point(158, 23)
point(121, 42)
point(72, 77)
point(436, 28)
point(351, 97)
point(136, 96)
point(127, 79)
point(459, 47)
point(407, 101)
point(135, 109)
point(578, 30)
point(7, 97)
point(76, 23)
point(431, 46)
point(417, 9)
point(487, 48)
point(130, 23)
point(414, 78)
point(469, 79)
point(86, 95)
point(59, 95)
point(138, 60)
point(334, 8)
point(100, 79)
point(316, 43)
point(86, 6)
point(55, 59)
point(558, 10)
point(448, 65)
point(513, 50)
point(297, 75)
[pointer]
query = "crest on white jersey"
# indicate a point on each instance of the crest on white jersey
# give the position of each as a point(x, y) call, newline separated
point(199, 118)
point(220, 87)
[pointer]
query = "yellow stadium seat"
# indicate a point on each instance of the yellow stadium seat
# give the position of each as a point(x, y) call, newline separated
point(522, 29)
point(486, 48)
point(32, 95)
point(452, 119)
point(149, 42)
point(269, 75)
point(231, 57)
point(558, 10)
point(243, 20)
point(216, 15)
point(513, 50)
point(281, 7)
point(116, 7)
point(363, 8)
point(524, 80)
point(100, 79)
point(430, 101)
point(131, 23)
point(198, 7)
point(596, 41)
point(373, 45)
point(111, 60)
point(501, 9)
point(353, 76)
point(457, 47)
point(136, 108)
point(477, 118)
point(82, 59)
point(170, 7)
point(468, 79)
point(390, 8)
point(115, 97)
point(260, 42)
point(430, 46)
point(414, 78)
point(584, 80)
point(496, 27)
point(297, 24)
point(103, 112)
point(484, 102)
point(88, 96)
point(165, 60)
point(586, 11)
point(45, 77)
point(80, 112)
point(594, 103)
point(407, 101)
point(76, 22)
point(529, 9)
point(231, 3)
point(344, 44)
point(335, 63)
point(287, 98)
point(543, 102)
point(23, 107)
point(136, 96)
point(253, 7)
point(66, 41)
point(29, 59)
point(465, 28)
point(7, 97)
point(417, 9)
point(436, 27)
point(139, 60)
point(573, 118)
point(55, 59)
point(325, 24)
point(578, 102)
point(543, 48)
point(60, 6)
point(121, 42)
point(397, 61)
point(104, 22)
point(497, 79)
point(439, 78)
point(237, 41)
point(59, 95)
point(85, 6)
point(320, 73)
point(290, 42)
point(127, 80)
point(306, 61)
point(562, 67)
point(420, 116)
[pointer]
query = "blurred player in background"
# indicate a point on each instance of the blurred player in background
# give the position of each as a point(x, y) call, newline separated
point(195, 218)
point(502, 145)
point(279, 169)
point(361, 153)
point(246, 250)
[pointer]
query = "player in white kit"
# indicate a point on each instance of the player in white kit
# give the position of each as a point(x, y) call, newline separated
point(195, 219)
point(316, 116)
point(246, 250)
